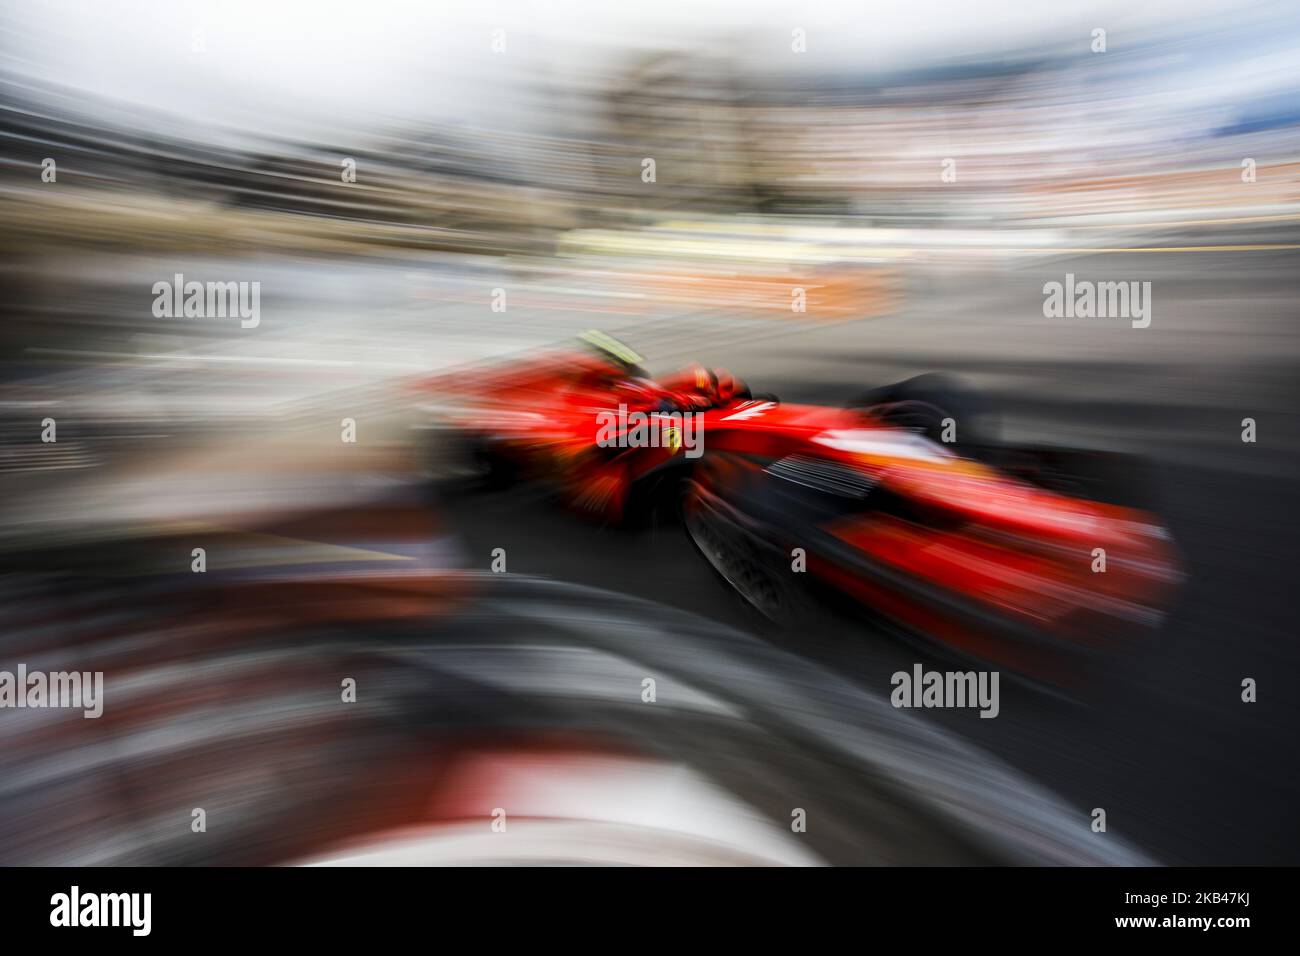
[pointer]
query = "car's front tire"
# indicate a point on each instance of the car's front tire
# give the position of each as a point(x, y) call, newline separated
point(940, 407)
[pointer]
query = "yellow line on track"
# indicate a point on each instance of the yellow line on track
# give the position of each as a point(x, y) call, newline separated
point(1263, 247)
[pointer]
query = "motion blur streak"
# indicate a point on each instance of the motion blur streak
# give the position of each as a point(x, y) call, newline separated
point(288, 371)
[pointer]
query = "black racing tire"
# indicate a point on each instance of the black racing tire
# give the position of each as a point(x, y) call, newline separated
point(655, 499)
point(754, 568)
point(924, 403)
point(460, 463)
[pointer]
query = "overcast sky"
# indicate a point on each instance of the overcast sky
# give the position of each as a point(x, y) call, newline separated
point(317, 64)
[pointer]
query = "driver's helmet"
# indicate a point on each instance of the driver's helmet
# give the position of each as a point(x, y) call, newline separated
point(726, 386)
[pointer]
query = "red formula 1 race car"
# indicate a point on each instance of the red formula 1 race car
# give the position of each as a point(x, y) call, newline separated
point(613, 442)
point(901, 503)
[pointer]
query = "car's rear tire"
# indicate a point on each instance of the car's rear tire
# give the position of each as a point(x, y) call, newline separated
point(458, 463)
